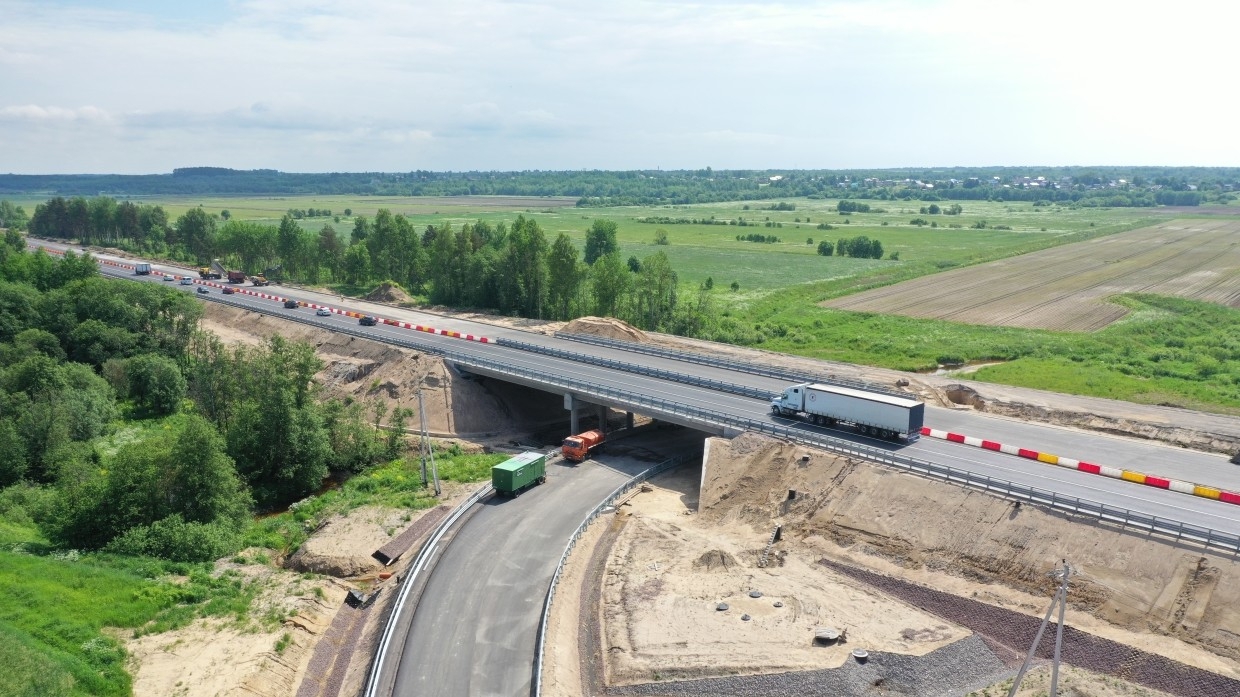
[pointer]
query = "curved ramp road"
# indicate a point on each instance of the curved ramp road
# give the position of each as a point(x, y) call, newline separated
point(475, 626)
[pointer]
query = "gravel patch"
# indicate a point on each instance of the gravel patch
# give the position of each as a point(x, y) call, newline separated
point(399, 545)
point(332, 655)
point(955, 669)
point(1015, 630)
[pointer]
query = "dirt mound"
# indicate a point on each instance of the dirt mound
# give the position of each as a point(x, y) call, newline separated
point(357, 369)
point(342, 547)
point(1145, 591)
point(715, 559)
point(608, 327)
point(388, 292)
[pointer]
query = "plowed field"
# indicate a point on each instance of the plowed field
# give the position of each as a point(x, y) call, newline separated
point(1066, 288)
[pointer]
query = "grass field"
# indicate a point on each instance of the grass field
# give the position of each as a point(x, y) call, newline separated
point(1065, 288)
point(55, 609)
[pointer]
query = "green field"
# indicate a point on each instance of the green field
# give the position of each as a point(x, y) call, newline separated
point(701, 251)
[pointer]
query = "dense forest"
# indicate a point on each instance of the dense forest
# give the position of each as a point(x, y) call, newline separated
point(511, 268)
point(1104, 186)
point(124, 428)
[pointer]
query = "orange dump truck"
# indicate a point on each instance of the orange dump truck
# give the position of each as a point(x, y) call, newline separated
point(578, 447)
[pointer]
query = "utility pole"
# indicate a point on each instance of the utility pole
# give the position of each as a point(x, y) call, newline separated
point(1063, 603)
point(1061, 599)
point(425, 450)
point(423, 440)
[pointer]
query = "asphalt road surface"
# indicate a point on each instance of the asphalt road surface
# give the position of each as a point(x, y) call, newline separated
point(1145, 456)
point(475, 626)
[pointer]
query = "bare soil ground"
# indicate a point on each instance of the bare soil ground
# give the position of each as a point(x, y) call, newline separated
point(670, 564)
point(669, 571)
point(1065, 288)
point(214, 657)
point(360, 369)
point(1073, 682)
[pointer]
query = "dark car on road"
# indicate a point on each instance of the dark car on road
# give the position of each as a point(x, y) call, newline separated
point(290, 304)
point(202, 290)
point(368, 321)
point(228, 290)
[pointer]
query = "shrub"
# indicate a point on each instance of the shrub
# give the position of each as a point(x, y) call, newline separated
point(175, 539)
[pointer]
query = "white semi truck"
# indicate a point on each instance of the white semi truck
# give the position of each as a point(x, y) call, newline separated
point(871, 413)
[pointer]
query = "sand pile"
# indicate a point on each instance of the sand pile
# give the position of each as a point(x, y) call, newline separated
point(608, 327)
point(342, 547)
point(387, 292)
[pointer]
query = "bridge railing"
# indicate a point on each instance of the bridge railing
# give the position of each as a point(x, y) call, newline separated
point(568, 549)
point(1206, 537)
point(730, 364)
point(1177, 530)
point(683, 378)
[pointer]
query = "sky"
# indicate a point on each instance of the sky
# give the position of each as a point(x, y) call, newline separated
point(143, 86)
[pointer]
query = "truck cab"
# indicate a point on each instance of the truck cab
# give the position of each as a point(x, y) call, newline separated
point(789, 402)
point(577, 448)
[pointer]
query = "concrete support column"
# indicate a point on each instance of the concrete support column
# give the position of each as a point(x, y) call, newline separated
point(570, 403)
point(628, 419)
point(602, 418)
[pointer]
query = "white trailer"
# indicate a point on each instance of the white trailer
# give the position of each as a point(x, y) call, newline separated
point(871, 413)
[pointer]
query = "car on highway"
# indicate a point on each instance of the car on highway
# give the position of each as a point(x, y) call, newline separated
point(202, 290)
point(323, 312)
point(186, 282)
point(290, 304)
point(169, 277)
point(368, 321)
point(228, 290)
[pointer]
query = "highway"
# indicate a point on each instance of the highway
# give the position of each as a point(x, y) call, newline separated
point(475, 627)
point(1203, 468)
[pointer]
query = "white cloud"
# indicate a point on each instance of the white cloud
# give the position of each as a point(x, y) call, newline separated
point(439, 84)
point(33, 113)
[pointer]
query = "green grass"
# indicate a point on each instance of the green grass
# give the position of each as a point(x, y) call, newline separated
point(53, 610)
point(1167, 351)
point(398, 484)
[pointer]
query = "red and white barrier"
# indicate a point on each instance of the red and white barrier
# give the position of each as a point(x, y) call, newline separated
point(1103, 470)
point(277, 298)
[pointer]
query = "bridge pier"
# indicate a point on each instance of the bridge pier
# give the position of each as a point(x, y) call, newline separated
point(602, 418)
point(628, 420)
point(570, 403)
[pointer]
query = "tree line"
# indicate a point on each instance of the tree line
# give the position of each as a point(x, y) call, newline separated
point(512, 268)
point(125, 428)
point(650, 187)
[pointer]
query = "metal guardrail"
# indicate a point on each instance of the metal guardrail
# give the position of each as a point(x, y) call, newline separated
point(572, 542)
point(1207, 537)
point(739, 366)
point(409, 581)
point(683, 378)
point(1172, 528)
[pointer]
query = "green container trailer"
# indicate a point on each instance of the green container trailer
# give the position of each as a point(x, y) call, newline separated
point(513, 476)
